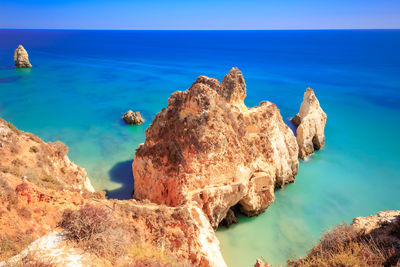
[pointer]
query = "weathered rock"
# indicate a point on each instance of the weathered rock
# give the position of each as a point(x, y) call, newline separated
point(261, 263)
point(229, 219)
point(310, 122)
point(32, 206)
point(374, 222)
point(32, 157)
point(21, 58)
point(131, 117)
point(208, 147)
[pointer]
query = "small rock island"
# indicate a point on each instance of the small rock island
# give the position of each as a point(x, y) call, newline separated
point(21, 58)
point(310, 122)
point(133, 118)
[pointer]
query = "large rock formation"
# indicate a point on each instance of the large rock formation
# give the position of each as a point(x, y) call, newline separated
point(21, 58)
point(310, 122)
point(38, 183)
point(208, 147)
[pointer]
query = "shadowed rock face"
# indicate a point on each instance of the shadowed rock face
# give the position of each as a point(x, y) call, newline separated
point(21, 58)
point(208, 147)
point(311, 121)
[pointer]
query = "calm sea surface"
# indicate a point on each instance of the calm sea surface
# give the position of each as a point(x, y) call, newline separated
point(83, 81)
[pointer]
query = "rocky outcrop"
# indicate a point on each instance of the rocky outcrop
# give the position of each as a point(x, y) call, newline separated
point(28, 156)
point(368, 241)
point(375, 222)
point(260, 263)
point(38, 183)
point(207, 146)
point(131, 117)
point(21, 58)
point(310, 122)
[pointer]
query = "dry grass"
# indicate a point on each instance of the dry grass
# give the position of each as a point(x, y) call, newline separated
point(345, 246)
point(96, 195)
point(7, 194)
point(13, 128)
point(51, 182)
point(142, 254)
point(12, 245)
point(34, 149)
point(31, 261)
point(93, 229)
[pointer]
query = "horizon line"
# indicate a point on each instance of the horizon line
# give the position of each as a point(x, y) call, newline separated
point(277, 29)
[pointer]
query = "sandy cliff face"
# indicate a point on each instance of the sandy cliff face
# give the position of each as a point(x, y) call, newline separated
point(28, 157)
point(208, 147)
point(38, 182)
point(310, 122)
point(21, 58)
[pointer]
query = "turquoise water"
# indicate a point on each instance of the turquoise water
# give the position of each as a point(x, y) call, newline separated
point(83, 81)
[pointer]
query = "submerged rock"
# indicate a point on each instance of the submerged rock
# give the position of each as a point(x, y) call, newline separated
point(261, 263)
point(207, 146)
point(21, 58)
point(131, 117)
point(310, 122)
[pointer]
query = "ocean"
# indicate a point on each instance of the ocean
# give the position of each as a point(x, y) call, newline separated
point(82, 82)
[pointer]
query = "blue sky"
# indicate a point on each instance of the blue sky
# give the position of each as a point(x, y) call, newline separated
point(196, 14)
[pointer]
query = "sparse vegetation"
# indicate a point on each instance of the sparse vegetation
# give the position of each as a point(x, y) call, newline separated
point(100, 194)
point(12, 245)
point(17, 162)
point(34, 149)
point(7, 194)
point(25, 213)
point(32, 261)
point(346, 246)
point(50, 181)
point(13, 128)
point(93, 229)
point(143, 254)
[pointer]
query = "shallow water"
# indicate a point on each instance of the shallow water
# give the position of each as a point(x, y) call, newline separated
point(83, 81)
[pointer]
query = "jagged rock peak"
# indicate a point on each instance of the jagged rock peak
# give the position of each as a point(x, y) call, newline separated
point(21, 58)
point(310, 122)
point(208, 147)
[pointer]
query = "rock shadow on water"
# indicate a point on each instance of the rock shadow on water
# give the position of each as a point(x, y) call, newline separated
point(121, 173)
point(291, 125)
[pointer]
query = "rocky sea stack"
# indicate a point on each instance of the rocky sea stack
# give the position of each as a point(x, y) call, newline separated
point(208, 147)
point(310, 122)
point(134, 118)
point(21, 58)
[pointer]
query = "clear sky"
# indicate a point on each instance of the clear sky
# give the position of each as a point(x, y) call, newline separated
point(200, 14)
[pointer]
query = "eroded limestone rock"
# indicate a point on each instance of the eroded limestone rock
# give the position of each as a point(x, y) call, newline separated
point(208, 147)
point(21, 58)
point(310, 122)
point(131, 117)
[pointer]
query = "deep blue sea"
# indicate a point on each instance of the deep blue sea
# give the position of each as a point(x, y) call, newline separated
point(82, 82)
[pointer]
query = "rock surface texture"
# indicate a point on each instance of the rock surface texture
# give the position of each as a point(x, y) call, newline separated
point(131, 117)
point(310, 122)
point(38, 183)
point(21, 58)
point(207, 146)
